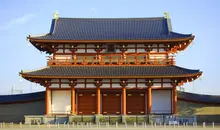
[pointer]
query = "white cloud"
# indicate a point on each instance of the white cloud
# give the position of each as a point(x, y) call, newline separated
point(17, 21)
point(94, 9)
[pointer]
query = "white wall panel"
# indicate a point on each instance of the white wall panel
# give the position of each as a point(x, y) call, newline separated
point(131, 85)
point(130, 50)
point(90, 80)
point(67, 51)
point(167, 85)
point(80, 51)
point(80, 86)
point(141, 50)
point(141, 80)
point(90, 86)
point(105, 86)
point(116, 86)
point(141, 85)
point(91, 51)
point(156, 85)
point(115, 80)
point(106, 80)
point(59, 51)
point(54, 86)
point(166, 80)
point(61, 101)
point(65, 86)
point(161, 101)
point(141, 45)
point(80, 80)
point(55, 80)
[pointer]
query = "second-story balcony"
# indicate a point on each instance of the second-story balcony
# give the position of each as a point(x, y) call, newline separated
point(112, 60)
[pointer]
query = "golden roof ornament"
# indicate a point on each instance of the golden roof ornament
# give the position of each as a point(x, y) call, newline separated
point(55, 16)
point(167, 15)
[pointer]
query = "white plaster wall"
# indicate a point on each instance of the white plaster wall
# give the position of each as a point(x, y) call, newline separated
point(80, 51)
point(105, 86)
point(55, 80)
point(61, 101)
point(167, 85)
point(63, 57)
point(65, 86)
point(141, 85)
point(91, 51)
point(158, 56)
point(106, 80)
point(67, 51)
point(130, 50)
point(54, 86)
point(80, 86)
point(141, 50)
point(59, 51)
point(156, 85)
point(161, 101)
point(90, 86)
point(166, 80)
point(116, 86)
point(131, 85)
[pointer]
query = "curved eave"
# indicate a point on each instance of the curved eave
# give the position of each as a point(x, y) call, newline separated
point(27, 76)
point(34, 39)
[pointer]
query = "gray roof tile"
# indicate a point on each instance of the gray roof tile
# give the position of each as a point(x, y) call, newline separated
point(107, 71)
point(111, 29)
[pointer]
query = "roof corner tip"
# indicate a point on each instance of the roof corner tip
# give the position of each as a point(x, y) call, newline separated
point(56, 15)
point(166, 15)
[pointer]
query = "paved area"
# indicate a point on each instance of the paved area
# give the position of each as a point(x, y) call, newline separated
point(103, 127)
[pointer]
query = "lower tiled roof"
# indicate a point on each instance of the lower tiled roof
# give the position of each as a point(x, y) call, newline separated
point(108, 71)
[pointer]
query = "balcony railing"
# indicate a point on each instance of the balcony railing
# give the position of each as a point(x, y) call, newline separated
point(113, 60)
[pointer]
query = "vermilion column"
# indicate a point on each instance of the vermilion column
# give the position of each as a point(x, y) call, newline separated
point(174, 100)
point(98, 111)
point(149, 99)
point(73, 98)
point(47, 98)
point(123, 100)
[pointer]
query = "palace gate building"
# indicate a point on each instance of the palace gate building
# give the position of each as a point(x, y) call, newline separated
point(111, 66)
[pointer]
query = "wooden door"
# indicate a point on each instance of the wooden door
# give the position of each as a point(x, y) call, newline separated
point(135, 103)
point(111, 103)
point(86, 103)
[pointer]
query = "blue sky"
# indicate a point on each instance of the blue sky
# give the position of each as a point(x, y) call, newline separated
point(21, 18)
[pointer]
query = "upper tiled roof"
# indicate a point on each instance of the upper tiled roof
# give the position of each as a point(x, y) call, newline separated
point(111, 29)
point(111, 71)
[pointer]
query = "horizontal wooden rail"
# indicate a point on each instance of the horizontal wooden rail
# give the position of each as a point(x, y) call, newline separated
point(113, 60)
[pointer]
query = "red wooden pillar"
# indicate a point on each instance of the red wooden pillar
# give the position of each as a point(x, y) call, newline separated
point(174, 100)
point(149, 99)
point(47, 98)
point(73, 99)
point(123, 100)
point(98, 107)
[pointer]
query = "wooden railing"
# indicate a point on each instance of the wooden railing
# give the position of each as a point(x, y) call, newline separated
point(113, 60)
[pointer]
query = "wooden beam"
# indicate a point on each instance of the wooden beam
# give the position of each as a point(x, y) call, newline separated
point(98, 93)
point(73, 99)
point(174, 100)
point(123, 100)
point(149, 99)
point(47, 97)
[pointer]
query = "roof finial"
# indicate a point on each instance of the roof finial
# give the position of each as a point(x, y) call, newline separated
point(55, 16)
point(166, 15)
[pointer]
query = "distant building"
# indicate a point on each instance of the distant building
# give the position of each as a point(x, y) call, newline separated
point(111, 66)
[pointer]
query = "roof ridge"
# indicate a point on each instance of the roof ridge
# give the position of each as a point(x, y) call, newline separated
point(132, 18)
